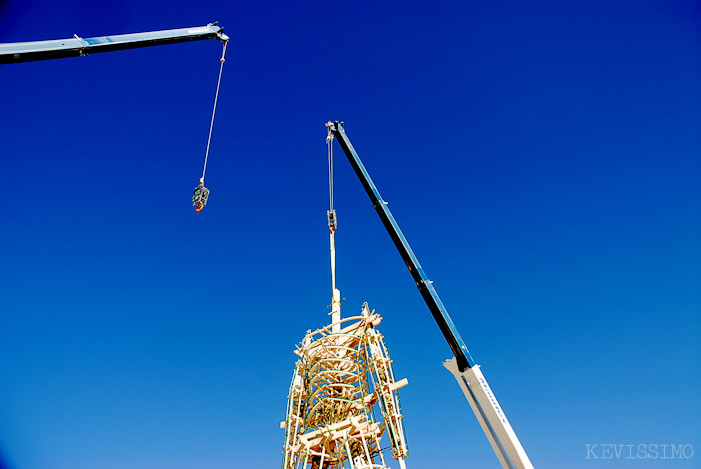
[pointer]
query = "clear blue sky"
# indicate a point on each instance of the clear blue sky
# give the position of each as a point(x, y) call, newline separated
point(543, 159)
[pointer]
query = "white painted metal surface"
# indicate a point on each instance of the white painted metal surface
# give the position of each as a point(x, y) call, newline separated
point(491, 417)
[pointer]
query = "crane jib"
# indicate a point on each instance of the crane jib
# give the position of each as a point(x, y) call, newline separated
point(76, 46)
point(425, 286)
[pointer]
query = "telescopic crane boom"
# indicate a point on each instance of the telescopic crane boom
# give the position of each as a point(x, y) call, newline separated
point(468, 374)
point(15, 52)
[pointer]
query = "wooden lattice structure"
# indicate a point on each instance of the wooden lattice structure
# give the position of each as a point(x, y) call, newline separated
point(343, 399)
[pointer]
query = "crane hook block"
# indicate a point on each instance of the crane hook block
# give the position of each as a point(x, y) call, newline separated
point(199, 197)
point(333, 221)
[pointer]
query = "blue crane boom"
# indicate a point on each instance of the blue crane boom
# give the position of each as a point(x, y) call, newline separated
point(16, 52)
point(479, 395)
point(425, 286)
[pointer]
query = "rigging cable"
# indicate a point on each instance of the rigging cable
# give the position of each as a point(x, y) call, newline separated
point(333, 223)
point(331, 212)
point(201, 193)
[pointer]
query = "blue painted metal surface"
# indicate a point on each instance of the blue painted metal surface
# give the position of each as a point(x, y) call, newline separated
point(76, 46)
point(425, 286)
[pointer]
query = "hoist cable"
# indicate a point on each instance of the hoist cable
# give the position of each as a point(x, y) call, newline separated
point(329, 142)
point(332, 221)
point(331, 213)
point(214, 110)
